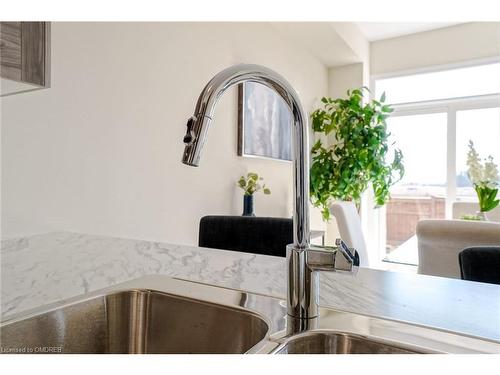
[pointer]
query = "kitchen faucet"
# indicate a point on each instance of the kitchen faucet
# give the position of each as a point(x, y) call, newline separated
point(302, 259)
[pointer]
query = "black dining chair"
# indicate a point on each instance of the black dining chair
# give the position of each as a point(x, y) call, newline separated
point(257, 235)
point(481, 263)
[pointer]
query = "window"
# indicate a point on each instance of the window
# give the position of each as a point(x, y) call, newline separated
point(436, 114)
point(422, 191)
point(455, 83)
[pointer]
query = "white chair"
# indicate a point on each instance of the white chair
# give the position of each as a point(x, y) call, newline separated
point(349, 224)
point(459, 209)
point(440, 242)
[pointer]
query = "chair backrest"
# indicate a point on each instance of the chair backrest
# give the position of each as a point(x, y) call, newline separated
point(257, 235)
point(440, 242)
point(349, 224)
point(480, 264)
point(459, 209)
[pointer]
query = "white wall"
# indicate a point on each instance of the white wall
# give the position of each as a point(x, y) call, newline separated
point(343, 78)
point(354, 37)
point(99, 152)
point(450, 45)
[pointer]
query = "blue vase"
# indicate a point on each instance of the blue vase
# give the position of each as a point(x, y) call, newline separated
point(248, 205)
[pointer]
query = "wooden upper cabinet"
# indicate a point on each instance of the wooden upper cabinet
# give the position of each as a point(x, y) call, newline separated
point(25, 52)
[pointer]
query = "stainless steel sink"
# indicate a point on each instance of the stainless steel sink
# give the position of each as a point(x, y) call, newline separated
point(325, 342)
point(139, 321)
point(158, 314)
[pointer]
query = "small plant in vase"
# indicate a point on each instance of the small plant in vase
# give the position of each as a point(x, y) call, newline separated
point(485, 179)
point(251, 184)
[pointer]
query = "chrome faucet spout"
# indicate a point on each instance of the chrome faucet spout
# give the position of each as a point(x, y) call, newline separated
point(302, 260)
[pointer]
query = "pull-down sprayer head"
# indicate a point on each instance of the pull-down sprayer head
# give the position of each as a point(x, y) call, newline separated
point(194, 139)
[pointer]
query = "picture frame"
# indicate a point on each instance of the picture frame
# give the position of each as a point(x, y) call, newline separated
point(264, 123)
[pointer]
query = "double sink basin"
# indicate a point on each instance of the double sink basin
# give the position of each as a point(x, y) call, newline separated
point(156, 314)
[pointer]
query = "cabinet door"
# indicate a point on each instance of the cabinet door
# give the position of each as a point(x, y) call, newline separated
point(25, 52)
point(10, 50)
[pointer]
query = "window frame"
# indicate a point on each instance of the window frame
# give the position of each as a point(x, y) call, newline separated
point(433, 69)
point(374, 224)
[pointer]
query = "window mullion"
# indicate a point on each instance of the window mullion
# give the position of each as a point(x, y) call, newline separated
point(451, 161)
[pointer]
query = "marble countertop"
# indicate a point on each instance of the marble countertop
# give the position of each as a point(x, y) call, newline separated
point(47, 268)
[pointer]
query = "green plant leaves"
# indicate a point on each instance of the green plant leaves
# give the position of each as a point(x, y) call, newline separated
point(253, 176)
point(250, 184)
point(358, 157)
point(386, 108)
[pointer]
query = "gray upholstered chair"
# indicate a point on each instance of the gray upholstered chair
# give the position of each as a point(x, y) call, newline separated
point(440, 242)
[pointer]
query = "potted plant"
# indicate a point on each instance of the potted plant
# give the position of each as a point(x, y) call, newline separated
point(484, 178)
point(358, 154)
point(251, 185)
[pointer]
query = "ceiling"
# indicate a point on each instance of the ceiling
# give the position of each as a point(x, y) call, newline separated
point(383, 30)
point(342, 43)
point(321, 39)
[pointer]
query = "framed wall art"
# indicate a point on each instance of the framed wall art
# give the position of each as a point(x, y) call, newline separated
point(264, 123)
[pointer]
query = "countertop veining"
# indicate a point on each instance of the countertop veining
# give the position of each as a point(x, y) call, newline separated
point(42, 269)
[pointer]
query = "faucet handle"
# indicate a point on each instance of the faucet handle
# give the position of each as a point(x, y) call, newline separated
point(327, 258)
point(349, 261)
point(343, 247)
